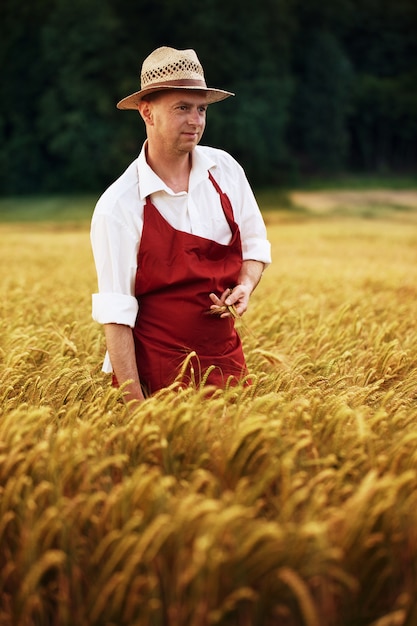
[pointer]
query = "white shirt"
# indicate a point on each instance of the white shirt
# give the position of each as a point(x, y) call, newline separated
point(117, 223)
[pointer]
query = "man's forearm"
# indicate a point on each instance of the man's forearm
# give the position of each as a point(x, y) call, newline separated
point(251, 273)
point(121, 348)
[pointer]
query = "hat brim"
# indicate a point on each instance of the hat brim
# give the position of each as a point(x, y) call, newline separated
point(212, 95)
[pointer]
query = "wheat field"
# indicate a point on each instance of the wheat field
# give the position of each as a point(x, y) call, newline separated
point(292, 502)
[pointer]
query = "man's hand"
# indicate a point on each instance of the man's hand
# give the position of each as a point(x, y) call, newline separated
point(134, 392)
point(238, 296)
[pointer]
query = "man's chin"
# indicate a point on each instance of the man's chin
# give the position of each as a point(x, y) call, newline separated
point(188, 146)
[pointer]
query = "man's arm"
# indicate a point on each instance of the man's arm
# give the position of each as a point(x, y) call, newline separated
point(121, 349)
point(249, 277)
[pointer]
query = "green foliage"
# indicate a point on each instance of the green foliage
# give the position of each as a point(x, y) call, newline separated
point(386, 125)
point(322, 103)
point(75, 115)
point(322, 86)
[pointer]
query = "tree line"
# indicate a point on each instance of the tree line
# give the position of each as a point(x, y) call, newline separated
point(322, 86)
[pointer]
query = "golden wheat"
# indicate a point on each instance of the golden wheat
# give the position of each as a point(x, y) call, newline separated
point(291, 502)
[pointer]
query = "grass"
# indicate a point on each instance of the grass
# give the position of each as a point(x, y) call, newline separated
point(75, 210)
point(289, 503)
point(358, 182)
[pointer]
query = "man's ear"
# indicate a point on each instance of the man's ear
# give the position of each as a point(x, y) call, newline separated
point(145, 111)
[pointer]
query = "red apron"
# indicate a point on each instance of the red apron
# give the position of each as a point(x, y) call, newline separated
point(176, 272)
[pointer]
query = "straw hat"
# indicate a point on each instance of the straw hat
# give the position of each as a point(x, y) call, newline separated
point(168, 68)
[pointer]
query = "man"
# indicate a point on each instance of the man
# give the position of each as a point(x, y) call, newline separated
point(176, 239)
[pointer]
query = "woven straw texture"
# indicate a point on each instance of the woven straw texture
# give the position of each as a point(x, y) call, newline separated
point(167, 64)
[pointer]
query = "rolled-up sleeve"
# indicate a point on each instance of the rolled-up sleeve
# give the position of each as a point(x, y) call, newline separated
point(116, 308)
point(255, 245)
point(257, 249)
point(115, 250)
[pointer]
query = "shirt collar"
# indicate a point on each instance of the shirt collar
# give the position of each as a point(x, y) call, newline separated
point(150, 183)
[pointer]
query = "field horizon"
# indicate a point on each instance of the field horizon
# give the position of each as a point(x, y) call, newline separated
point(338, 195)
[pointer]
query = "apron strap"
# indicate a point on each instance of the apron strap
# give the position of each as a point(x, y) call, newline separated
point(225, 202)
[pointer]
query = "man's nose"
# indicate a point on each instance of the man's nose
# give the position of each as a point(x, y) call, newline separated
point(194, 117)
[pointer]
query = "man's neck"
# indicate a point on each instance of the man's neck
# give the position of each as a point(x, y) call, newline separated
point(173, 170)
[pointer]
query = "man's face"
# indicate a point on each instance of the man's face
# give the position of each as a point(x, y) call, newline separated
point(176, 120)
